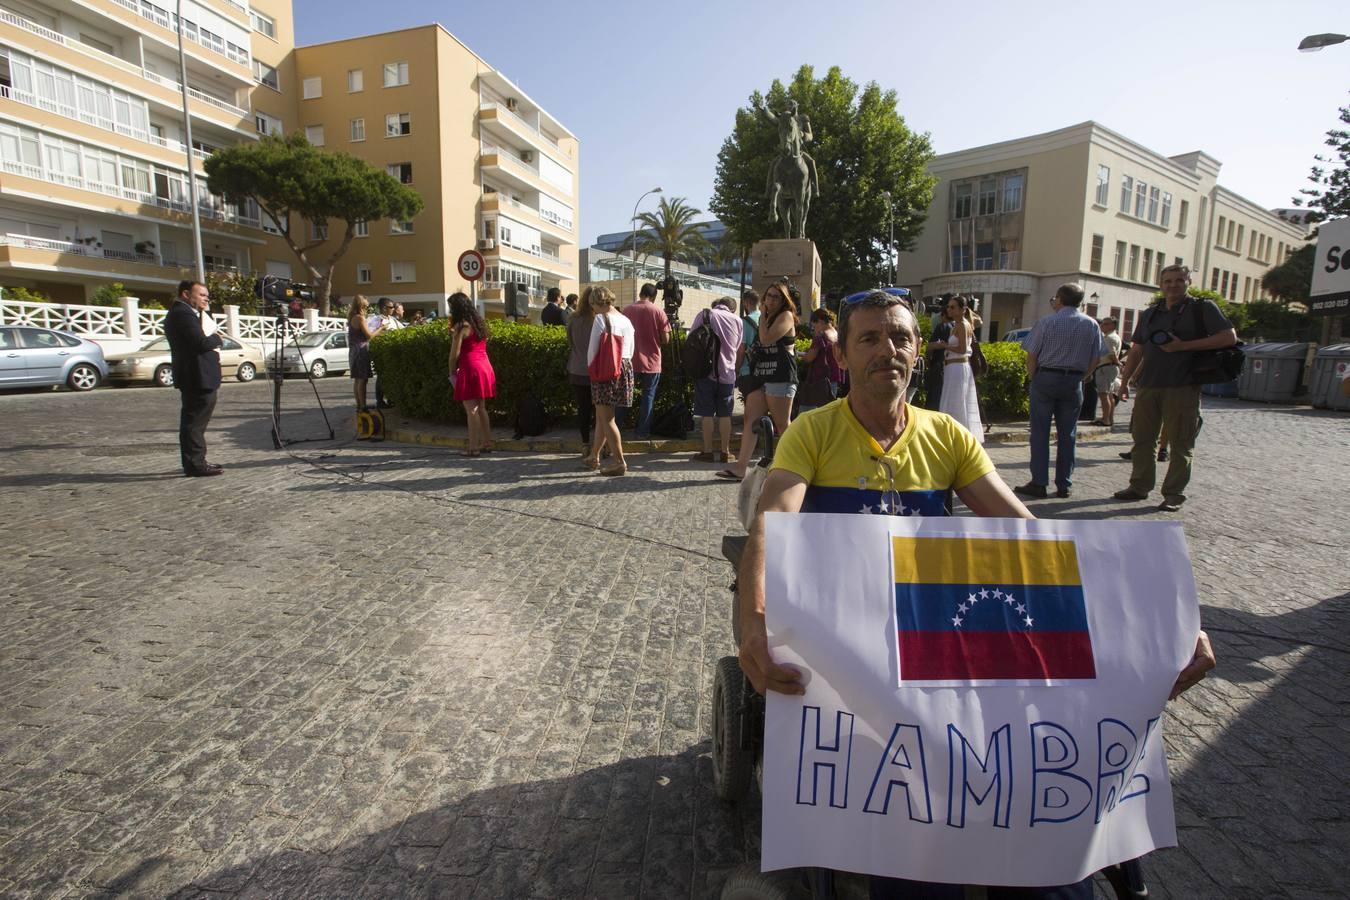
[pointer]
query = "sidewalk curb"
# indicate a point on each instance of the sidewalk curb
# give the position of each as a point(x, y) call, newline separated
point(405, 432)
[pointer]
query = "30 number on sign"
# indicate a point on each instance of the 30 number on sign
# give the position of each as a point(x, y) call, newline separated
point(471, 265)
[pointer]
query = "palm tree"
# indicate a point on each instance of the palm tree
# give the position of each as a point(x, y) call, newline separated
point(670, 233)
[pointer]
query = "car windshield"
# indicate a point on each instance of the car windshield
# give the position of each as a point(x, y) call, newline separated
point(314, 339)
point(157, 344)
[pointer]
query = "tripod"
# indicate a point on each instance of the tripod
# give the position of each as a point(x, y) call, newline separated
point(282, 329)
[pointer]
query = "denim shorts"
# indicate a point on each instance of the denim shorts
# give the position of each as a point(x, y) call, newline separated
point(713, 399)
point(781, 389)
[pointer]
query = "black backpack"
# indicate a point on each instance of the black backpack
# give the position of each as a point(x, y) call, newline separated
point(698, 356)
point(531, 418)
point(1213, 366)
point(676, 422)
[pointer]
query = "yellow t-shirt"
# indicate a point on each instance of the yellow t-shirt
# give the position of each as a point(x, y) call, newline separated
point(846, 470)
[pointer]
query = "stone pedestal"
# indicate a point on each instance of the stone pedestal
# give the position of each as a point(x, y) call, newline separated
point(795, 258)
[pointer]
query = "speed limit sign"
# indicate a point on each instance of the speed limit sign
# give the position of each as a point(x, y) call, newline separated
point(471, 265)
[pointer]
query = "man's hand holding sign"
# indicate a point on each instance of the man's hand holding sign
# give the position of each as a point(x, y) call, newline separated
point(979, 699)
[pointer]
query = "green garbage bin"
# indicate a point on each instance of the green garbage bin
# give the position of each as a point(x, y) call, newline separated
point(1273, 372)
point(1330, 368)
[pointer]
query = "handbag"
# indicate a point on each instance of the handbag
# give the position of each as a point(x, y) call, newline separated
point(979, 366)
point(608, 356)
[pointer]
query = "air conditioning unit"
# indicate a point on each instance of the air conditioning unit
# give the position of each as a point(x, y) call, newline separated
point(487, 244)
point(527, 156)
point(511, 104)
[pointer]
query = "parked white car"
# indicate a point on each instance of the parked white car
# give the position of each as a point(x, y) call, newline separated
point(319, 353)
point(34, 357)
point(1017, 336)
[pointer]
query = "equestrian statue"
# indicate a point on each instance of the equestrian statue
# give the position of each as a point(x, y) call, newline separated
point(792, 177)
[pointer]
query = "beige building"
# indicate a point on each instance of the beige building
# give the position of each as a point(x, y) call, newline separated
point(1012, 221)
point(93, 172)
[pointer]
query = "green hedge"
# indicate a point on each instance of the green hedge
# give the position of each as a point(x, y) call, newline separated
point(413, 365)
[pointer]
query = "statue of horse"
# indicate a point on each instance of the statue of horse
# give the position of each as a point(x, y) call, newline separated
point(791, 186)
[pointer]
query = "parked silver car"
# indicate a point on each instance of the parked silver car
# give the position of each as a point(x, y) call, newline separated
point(33, 357)
point(320, 352)
point(154, 362)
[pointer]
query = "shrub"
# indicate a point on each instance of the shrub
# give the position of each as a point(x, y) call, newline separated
point(1003, 387)
point(413, 364)
point(24, 295)
point(109, 295)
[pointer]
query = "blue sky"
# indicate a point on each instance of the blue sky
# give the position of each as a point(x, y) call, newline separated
point(651, 89)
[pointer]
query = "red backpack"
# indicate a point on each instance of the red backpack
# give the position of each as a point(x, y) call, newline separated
point(606, 365)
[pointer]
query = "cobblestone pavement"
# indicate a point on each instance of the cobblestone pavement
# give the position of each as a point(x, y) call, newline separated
point(374, 670)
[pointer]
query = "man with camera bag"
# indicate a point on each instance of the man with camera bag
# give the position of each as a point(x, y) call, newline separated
point(1169, 336)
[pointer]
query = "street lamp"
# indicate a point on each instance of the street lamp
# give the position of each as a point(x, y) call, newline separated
point(890, 240)
point(632, 238)
point(1314, 42)
point(187, 140)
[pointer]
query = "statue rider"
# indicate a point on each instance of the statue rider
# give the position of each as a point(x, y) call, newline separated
point(792, 178)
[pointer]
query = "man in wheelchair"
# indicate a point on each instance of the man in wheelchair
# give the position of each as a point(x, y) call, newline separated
point(874, 454)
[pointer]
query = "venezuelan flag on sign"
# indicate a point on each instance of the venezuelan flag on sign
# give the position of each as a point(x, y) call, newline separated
point(990, 608)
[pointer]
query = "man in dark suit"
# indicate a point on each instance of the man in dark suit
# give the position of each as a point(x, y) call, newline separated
point(553, 313)
point(196, 373)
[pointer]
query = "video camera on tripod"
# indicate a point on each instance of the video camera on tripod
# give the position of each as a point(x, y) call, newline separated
point(672, 296)
point(277, 292)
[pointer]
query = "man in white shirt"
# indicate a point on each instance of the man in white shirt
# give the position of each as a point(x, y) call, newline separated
point(387, 318)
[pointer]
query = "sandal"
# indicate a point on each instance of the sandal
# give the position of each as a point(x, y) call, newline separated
point(728, 475)
point(588, 463)
point(615, 471)
point(1099, 422)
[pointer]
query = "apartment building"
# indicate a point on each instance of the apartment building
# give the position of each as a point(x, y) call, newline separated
point(1012, 221)
point(93, 170)
point(497, 172)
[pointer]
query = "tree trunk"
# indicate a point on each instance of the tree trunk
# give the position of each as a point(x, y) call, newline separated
point(745, 260)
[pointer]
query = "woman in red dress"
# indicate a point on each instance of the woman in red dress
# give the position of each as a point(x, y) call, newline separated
point(471, 373)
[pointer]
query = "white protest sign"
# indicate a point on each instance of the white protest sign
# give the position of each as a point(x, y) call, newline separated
point(983, 696)
point(1330, 294)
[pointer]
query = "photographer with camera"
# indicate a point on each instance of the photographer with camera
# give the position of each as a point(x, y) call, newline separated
point(651, 329)
point(1166, 342)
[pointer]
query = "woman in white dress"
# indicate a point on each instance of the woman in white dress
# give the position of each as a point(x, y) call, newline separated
point(958, 381)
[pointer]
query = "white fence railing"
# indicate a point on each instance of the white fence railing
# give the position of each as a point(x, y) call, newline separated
point(127, 327)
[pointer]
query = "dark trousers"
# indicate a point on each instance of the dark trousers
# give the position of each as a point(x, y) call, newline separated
point(1058, 397)
point(585, 412)
point(192, 421)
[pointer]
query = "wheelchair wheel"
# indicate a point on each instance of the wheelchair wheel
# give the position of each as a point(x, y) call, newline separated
point(733, 763)
point(748, 883)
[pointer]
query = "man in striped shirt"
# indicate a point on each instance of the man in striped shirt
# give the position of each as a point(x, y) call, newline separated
point(1060, 350)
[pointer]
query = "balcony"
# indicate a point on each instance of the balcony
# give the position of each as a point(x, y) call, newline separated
point(18, 251)
point(548, 222)
point(533, 257)
point(190, 33)
point(517, 173)
point(209, 207)
point(236, 112)
point(489, 113)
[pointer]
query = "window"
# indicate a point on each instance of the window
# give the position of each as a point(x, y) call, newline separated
point(364, 275)
point(1157, 271)
point(961, 202)
point(265, 25)
point(400, 227)
point(397, 124)
point(402, 171)
point(314, 134)
point(1181, 216)
point(312, 88)
point(318, 232)
point(1091, 310)
point(1119, 268)
point(395, 74)
point(1126, 190)
point(403, 271)
point(1237, 245)
point(1166, 209)
point(1129, 322)
point(1148, 263)
point(1223, 289)
point(356, 80)
point(1214, 279)
point(1140, 199)
point(961, 258)
point(267, 124)
point(270, 226)
point(1218, 240)
point(984, 255)
point(1103, 184)
point(358, 130)
point(1246, 289)
point(489, 228)
point(1098, 244)
point(1153, 193)
point(1012, 192)
point(1134, 262)
point(265, 74)
point(986, 198)
point(1009, 256)
point(218, 263)
point(360, 228)
point(1231, 225)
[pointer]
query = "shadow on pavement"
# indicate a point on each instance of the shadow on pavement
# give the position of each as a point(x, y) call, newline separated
point(649, 826)
point(1261, 803)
